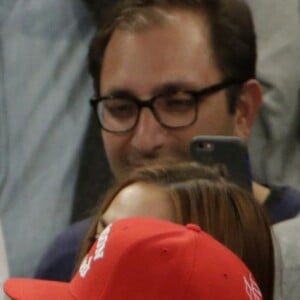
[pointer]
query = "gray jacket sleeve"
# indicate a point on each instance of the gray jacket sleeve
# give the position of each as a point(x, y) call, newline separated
point(286, 237)
point(44, 113)
point(275, 141)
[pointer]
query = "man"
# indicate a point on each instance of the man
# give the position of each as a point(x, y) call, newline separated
point(143, 59)
point(165, 71)
point(142, 258)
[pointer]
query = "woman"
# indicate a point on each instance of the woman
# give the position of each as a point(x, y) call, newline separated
point(191, 193)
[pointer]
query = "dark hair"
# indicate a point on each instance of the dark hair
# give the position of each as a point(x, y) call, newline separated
point(98, 8)
point(232, 34)
point(201, 195)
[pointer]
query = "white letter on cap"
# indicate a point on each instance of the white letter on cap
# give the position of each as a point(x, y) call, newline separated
point(99, 253)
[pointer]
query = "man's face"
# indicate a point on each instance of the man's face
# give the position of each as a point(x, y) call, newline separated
point(143, 63)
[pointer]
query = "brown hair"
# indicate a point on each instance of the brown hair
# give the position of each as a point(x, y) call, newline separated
point(203, 196)
point(232, 35)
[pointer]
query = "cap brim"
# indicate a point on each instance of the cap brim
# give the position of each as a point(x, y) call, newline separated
point(32, 289)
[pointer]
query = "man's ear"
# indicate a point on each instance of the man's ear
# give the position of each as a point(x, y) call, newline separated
point(247, 107)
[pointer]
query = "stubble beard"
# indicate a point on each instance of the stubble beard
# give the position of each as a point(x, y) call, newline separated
point(134, 159)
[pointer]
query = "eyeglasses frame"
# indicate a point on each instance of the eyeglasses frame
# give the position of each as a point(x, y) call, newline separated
point(197, 95)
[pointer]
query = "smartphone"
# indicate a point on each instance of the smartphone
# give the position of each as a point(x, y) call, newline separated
point(225, 151)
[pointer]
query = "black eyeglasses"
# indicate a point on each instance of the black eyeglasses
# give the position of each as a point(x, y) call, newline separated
point(177, 109)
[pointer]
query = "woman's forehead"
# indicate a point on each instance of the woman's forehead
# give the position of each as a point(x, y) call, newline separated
point(140, 199)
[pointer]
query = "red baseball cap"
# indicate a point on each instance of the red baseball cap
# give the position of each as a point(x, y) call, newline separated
point(141, 258)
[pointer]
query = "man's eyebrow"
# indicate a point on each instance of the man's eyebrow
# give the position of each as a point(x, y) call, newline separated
point(172, 87)
point(120, 92)
point(165, 88)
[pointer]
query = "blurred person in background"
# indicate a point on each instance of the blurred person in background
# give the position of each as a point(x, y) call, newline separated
point(275, 138)
point(43, 79)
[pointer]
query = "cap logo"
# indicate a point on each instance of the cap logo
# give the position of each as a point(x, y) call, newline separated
point(100, 247)
point(85, 266)
point(99, 252)
point(252, 288)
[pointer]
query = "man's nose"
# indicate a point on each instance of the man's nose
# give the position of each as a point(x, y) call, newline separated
point(148, 136)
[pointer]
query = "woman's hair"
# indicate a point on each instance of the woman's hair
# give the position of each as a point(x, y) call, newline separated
point(203, 196)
